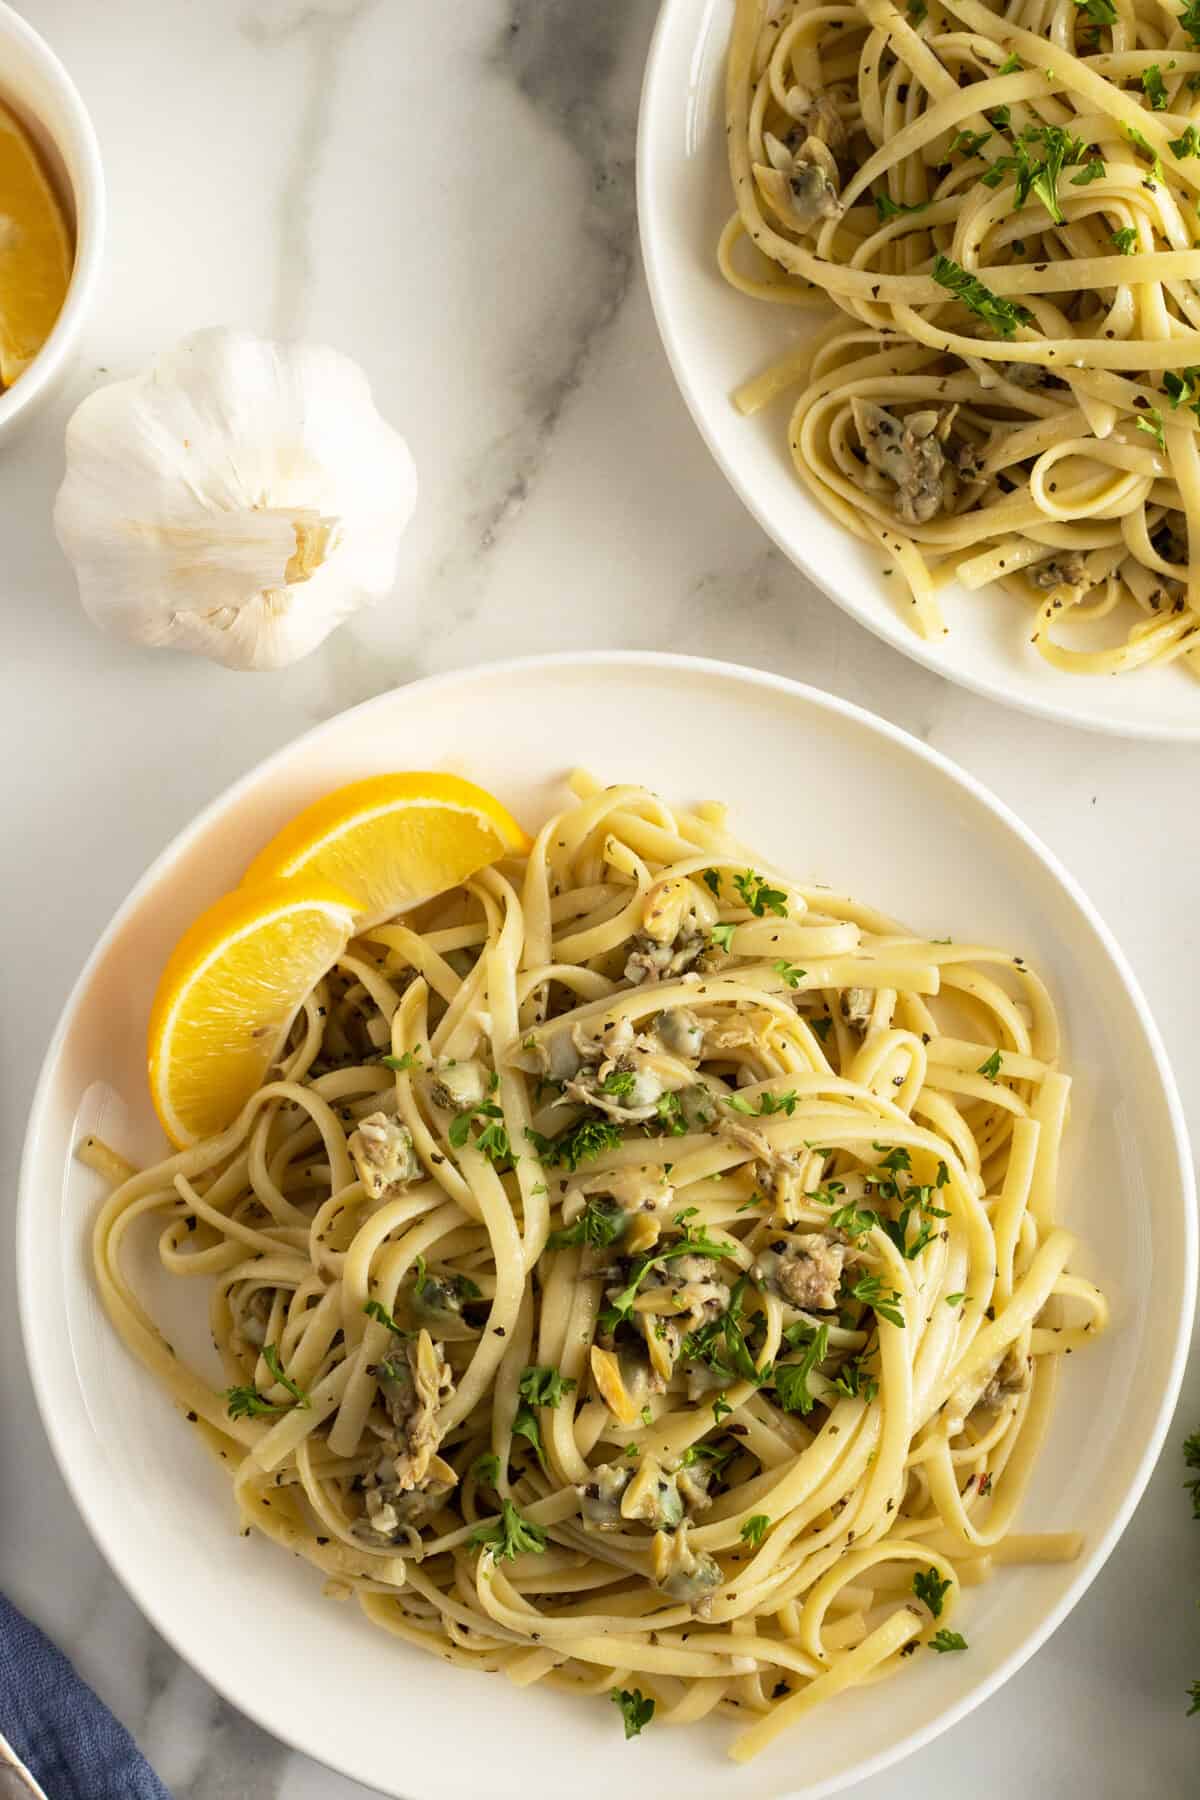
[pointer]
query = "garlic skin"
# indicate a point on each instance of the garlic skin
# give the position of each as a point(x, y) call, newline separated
point(239, 499)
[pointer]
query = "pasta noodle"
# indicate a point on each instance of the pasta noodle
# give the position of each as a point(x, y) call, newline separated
point(642, 1276)
point(1001, 204)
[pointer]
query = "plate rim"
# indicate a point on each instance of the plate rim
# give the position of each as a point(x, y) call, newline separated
point(883, 626)
point(293, 1733)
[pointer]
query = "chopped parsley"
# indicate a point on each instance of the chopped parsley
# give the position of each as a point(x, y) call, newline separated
point(492, 1139)
point(1183, 386)
point(856, 1222)
point(755, 1530)
point(711, 1453)
point(968, 143)
point(691, 1243)
point(722, 936)
point(721, 1408)
point(409, 1060)
point(944, 1640)
point(375, 1310)
point(588, 1139)
point(822, 1027)
point(1124, 238)
point(789, 972)
point(990, 1066)
point(1187, 145)
point(1093, 170)
point(712, 882)
point(636, 1710)
point(955, 1299)
point(670, 1114)
point(1101, 12)
point(768, 1104)
point(1010, 66)
point(247, 1402)
point(791, 1379)
point(897, 1229)
point(543, 1386)
point(884, 1302)
point(1154, 88)
point(1151, 423)
point(486, 1469)
point(930, 1590)
point(1002, 315)
point(1039, 177)
point(722, 1344)
point(887, 208)
point(537, 1386)
point(759, 896)
point(619, 1082)
point(599, 1224)
point(856, 1381)
point(1135, 137)
point(1189, 18)
point(916, 1197)
point(509, 1536)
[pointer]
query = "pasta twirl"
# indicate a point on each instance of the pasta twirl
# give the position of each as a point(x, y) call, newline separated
point(1002, 207)
point(669, 1307)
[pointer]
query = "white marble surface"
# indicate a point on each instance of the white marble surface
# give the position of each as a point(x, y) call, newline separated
point(446, 192)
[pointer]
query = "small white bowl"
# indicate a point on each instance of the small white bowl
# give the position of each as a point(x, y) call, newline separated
point(39, 90)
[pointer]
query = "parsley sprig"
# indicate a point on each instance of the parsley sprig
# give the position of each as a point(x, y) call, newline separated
point(509, 1536)
point(1182, 387)
point(492, 1139)
point(600, 1224)
point(588, 1139)
point(791, 1379)
point(537, 1385)
point(636, 1710)
point(692, 1242)
point(247, 1402)
point(722, 1343)
point(768, 1103)
point(1002, 315)
point(759, 896)
point(789, 972)
point(930, 1589)
point(884, 1302)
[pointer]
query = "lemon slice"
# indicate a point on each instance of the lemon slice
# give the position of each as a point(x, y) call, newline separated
point(35, 252)
point(394, 840)
point(231, 988)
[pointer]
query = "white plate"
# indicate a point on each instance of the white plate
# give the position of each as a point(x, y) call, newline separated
point(715, 338)
point(829, 792)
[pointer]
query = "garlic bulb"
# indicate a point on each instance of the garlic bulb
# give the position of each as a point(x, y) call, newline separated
point(239, 499)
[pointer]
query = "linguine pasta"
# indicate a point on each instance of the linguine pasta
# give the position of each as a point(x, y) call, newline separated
point(642, 1275)
point(1001, 204)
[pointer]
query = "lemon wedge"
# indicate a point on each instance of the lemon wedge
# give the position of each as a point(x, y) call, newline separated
point(228, 995)
point(394, 840)
point(35, 252)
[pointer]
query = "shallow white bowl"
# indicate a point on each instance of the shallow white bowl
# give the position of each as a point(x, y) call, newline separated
point(715, 338)
point(39, 90)
point(829, 792)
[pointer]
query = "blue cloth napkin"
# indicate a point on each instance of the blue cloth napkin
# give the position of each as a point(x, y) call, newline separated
point(66, 1737)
